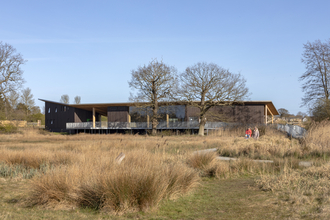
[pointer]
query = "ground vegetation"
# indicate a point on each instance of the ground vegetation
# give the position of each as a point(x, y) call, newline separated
point(49, 175)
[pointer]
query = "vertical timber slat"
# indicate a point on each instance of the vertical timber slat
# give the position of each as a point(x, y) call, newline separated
point(93, 117)
point(167, 120)
point(266, 114)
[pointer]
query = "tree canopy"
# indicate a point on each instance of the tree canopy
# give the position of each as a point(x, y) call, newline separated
point(205, 85)
point(65, 99)
point(153, 83)
point(316, 57)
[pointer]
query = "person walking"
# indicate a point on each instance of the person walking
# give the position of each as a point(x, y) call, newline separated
point(255, 133)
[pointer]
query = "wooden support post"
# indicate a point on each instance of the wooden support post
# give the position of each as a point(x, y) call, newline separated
point(93, 117)
point(266, 114)
point(129, 119)
point(147, 121)
point(167, 120)
point(268, 110)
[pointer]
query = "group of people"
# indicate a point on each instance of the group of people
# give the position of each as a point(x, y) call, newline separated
point(255, 134)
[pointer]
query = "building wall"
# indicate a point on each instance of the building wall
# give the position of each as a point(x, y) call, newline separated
point(118, 114)
point(246, 114)
point(56, 116)
point(81, 115)
point(250, 114)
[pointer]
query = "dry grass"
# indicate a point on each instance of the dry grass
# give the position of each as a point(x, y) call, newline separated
point(82, 171)
point(317, 141)
point(33, 158)
point(305, 192)
point(201, 160)
point(272, 144)
point(139, 183)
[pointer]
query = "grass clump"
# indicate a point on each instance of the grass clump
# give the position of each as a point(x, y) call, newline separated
point(201, 160)
point(139, 183)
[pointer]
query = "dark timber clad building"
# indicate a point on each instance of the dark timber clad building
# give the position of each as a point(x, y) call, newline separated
point(75, 118)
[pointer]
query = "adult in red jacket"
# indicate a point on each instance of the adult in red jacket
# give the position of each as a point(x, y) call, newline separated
point(248, 133)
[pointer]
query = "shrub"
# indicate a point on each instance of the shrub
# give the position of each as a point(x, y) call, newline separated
point(8, 128)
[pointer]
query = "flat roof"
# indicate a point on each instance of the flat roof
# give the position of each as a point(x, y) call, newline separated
point(102, 108)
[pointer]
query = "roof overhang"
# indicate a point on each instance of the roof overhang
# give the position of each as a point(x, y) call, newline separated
point(102, 108)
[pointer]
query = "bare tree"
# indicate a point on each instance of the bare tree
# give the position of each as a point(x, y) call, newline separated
point(27, 100)
point(321, 110)
point(316, 58)
point(283, 112)
point(65, 99)
point(205, 85)
point(154, 83)
point(10, 71)
point(13, 99)
point(12, 102)
point(302, 114)
point(77, 99)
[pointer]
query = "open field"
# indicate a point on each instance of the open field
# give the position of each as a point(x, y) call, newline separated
point(56, 176)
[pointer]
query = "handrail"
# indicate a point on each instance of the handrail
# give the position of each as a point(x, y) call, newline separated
point(143, 125)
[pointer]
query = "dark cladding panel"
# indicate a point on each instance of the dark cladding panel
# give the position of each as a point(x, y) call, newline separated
point(56, 116)
point(191, 112)
point(221, 113)
point(246, 114)
point(249, 114)
point(81, 115)
point(118, 113)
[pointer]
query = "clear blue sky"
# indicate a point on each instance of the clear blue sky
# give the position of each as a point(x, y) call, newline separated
point(88, 48)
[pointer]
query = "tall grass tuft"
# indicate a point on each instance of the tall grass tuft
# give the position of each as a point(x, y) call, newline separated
point(317, 140)
point(201, 160)
point(138, 183)
point(306, 191)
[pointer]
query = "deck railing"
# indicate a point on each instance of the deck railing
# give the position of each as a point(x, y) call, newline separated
point(292, 130)
point(142, 125)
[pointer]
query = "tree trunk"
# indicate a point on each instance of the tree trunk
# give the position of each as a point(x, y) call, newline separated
point(201, 129)
point(154, 126)
point(201, 125)
point(154, 118)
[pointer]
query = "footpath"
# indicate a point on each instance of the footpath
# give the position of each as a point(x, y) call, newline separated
point(301, 163)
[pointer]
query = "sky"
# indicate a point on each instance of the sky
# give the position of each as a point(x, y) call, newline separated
point(89, 48)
